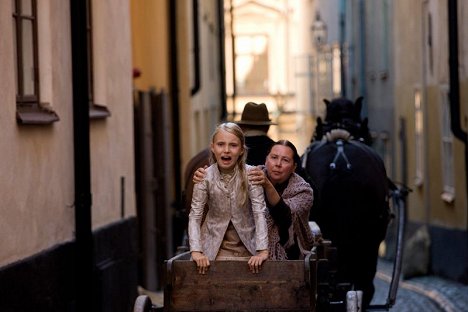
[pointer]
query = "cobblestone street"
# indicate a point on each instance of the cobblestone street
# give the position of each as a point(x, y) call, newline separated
point(425, 293)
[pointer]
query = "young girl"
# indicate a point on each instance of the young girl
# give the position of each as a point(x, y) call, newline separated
point(234, 227)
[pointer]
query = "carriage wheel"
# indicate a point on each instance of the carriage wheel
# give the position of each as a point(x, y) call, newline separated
point(142, 304)
point(354, 301)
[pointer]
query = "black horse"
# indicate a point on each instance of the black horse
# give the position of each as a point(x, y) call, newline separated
point(351, 191)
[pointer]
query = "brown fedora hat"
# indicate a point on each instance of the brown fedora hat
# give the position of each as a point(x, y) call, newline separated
point(255, 114)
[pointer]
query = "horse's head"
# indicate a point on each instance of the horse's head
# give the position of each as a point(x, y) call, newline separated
point(343, 109)
point(342, 113)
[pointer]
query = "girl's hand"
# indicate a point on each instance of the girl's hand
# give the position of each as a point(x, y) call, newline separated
point(202, 261)
point(199, 175)
point(255, 262)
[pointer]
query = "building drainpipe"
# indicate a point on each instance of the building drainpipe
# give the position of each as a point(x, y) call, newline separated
point(196, 48)
point(174, 94)
point(362, 53)
point(84, 258)
point(342, 46)
point(233, 59)
point(222, 58)
point(454, 94)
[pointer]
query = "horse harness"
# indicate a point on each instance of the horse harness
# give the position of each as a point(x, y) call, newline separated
point(340, 152)
point(338, 136)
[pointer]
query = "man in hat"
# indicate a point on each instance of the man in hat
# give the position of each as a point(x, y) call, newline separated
point(255, 122)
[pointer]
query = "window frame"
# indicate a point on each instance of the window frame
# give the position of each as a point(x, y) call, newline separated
point(446, 150)
point(418, 137)
point(29, 109)
point(96, 111)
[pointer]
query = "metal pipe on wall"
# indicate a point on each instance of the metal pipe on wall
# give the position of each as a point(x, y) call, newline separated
point(342, 46)
point(454, 94)
point(233, 59)
point(362, 52)
point(222, 58)
point(196, 48)
point(174, 94)
point(453, 67)
point(84, 265)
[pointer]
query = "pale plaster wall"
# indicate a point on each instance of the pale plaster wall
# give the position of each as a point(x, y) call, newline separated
point(37, 180)
point(37, 161)
point(112, 139)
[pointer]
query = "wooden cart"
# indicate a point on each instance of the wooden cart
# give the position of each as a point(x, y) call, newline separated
point(292, 285)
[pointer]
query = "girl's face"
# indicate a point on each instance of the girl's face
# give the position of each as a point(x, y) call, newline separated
point(280, 163)
point(227, 149)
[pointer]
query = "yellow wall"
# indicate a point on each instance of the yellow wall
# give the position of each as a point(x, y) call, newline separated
point(150, 43)
point(425, 204)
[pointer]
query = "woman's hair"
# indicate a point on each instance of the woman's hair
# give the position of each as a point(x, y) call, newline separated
point(296, 158)
point(233, 128)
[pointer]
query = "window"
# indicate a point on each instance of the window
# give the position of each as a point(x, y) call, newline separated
point(252, 64)
point(29, 108)
point(419, 133)
point(337, 70)
point(96, 111)
point(448, 193)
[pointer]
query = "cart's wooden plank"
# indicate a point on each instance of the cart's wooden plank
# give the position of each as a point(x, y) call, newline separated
point(230, 286)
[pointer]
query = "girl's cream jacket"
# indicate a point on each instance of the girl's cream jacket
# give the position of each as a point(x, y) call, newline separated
point(249, 219)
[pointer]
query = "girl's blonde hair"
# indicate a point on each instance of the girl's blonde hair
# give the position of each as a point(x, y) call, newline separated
point(233, 128)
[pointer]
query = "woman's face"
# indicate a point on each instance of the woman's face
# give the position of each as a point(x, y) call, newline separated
point(227, 149)
point(280, 163)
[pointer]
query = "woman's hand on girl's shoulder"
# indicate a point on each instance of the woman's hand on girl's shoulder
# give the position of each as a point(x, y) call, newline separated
point(256, 176)
point(199, 175)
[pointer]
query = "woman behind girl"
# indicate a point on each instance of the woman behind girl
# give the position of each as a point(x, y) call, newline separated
point(234, 227)
point(289, 200)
